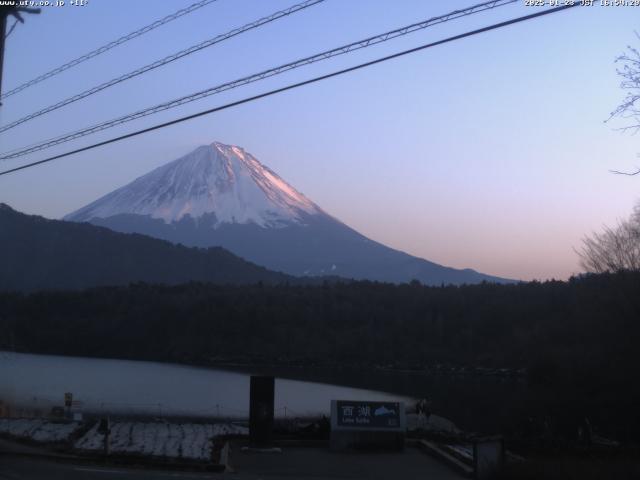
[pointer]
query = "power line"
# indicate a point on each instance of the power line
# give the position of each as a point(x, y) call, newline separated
point(367, 42)
point(296, 85)
point(109, 46)
point(159, 63)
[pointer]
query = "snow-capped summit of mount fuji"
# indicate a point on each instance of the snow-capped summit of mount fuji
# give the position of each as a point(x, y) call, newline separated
point(219, 179)
point(221, 195)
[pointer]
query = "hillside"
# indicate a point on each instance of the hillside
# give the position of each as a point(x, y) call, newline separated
point(50, 254)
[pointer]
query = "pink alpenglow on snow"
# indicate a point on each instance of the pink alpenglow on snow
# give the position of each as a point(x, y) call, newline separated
point(217, 178)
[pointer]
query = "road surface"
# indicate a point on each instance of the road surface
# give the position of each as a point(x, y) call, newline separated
point(294, 463)
point(26, 468)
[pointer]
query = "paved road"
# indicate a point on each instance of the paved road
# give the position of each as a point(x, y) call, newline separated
point(292, 463)
point(320, 464)
point(24, 468)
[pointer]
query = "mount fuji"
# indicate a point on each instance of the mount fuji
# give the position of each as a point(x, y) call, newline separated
point(221, 195)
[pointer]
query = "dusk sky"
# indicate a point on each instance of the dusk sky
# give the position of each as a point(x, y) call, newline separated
point(488, 153)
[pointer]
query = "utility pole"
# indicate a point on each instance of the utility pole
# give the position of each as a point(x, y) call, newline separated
point(3, 32)
point(5, 11)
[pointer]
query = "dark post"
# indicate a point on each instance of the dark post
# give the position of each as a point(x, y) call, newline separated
point(488, 457)
point(3, 33)
point(262, 391)
point(105, 429)
point(5, 11)
point(68, 402)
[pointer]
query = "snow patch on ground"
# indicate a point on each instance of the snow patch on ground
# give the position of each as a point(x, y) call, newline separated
point(465, 451)
point(186, 440)
point(434, 423)
point(38, 429)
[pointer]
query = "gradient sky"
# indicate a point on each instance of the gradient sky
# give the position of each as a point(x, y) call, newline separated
point(489, 152)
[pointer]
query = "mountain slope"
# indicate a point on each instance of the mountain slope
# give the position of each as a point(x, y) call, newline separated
point(217, 178)
point(221, 195)
point(50, 254)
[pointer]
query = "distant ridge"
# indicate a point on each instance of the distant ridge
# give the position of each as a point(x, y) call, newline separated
point(38, 254)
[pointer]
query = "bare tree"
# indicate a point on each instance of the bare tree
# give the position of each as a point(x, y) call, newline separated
point(616, 249)
point(629, 71)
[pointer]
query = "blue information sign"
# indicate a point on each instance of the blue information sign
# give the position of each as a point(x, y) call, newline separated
point(361, 414)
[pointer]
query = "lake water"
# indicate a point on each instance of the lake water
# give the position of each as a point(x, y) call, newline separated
point(134, 387)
